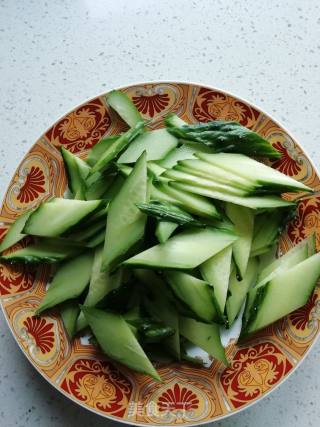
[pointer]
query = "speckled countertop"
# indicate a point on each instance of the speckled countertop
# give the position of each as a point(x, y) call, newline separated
point(56, 54)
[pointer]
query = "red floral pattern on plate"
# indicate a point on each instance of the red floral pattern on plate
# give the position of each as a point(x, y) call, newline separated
point(285, 164)
point(178, 398)
point(300, 318)
point(253, 371)
point(98, 384)
point(82, 128)
point(214, 105)
point(151, 104)
point(41, 331)
point(306, 222)
point(33, 186)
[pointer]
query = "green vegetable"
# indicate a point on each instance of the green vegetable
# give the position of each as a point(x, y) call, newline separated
point(57, 216)
point(117, 147)
point(45, 250)
point(99, 149)
point(186, 250)
point(168, 212)
point(164, 230)
point(226, 136)
point(77, 171)
point(118, 341)
point(69, 312)
point(69, 282)
point(14, 234)
point(125, 223)
point(122, 104)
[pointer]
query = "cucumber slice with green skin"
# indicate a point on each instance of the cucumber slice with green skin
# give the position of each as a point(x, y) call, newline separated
point(46, 250)
point(14, 234)
point(157, 144)
point(243, 220)
point(125, 222)
point(95, 217)
point(125, 170)
point(118, 341)
point(249, 202)
point(122, 104)
point(77, 171)
point(164, 230)
point(69, 312)
point(186, 151)
point(185, 250)
point(70, 280)
point(174, 120)
point(257, 172)
point(293, 257)
point(205, 336)
point(225, 136)
point(267, 229)
point(117, 147)
point(286, 292)
point(207, 170)
point(158, 305)
point(57, 216)
point(101, 283)
point(114, 188)
point(87, 233)
point(168, 212)
point(193, 292)
point(97, 185)
point(98, 150)
point(96, 240)
point(216, 271)
point(239, 289)
point(192, 203)
point(188, 178)
point(155, 170)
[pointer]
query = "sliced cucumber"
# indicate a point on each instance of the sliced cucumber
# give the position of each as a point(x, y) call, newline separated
point(159, 306)
point(257, 172)
point(155, 170)
point(207, 170)
point(250, 202)
point(216, 271)
point(238, 290)
point(88, 232)
point(69, 312)
point(101, 283)
point(168, 212)
point(97, 185)
point(185, 151)
point(46, 250)
point(192, 203)
point(117, 147)
point(267, 229)
point(55, 217)
point(243, 220)
point(205, 336)
point(185, 250)
point(189, 178)
point(164, 230)
point(126, 223)
point(98, 150)
point(293, 257)
point(96, 240)
point(118, 341)
point(77, 171)
point(122, 104)
point(69, 282)
point(193, 292)
point(157, 144)
point(14, 234)
point(174, 120)
point(114, 188)
point(286, 292)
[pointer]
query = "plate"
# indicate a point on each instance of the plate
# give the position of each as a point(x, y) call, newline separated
point(188, 395)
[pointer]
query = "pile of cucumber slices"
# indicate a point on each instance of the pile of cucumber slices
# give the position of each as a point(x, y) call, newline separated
point(166, 236)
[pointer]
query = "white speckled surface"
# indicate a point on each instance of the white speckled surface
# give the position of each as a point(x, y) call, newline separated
point(56, 54)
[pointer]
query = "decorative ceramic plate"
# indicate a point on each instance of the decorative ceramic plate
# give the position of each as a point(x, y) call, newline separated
point(188, 395)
